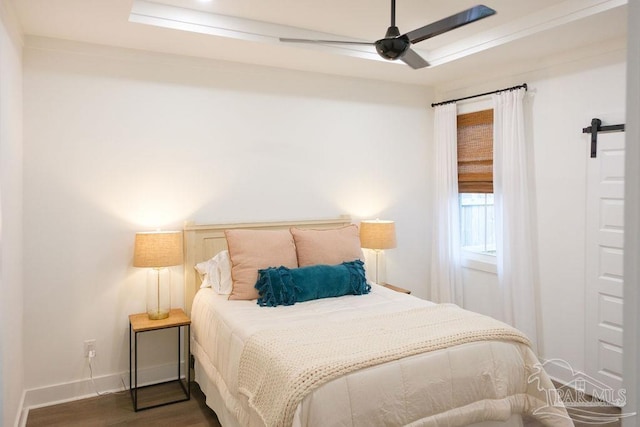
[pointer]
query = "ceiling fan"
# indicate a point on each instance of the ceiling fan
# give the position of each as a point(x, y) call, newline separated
point(395, 46)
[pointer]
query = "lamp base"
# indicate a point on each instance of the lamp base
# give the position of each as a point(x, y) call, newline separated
point(158, 315)
point(158, 293)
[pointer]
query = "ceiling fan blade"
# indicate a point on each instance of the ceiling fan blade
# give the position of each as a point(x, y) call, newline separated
point(290, 40)
point(452, 22)
point(413, 60)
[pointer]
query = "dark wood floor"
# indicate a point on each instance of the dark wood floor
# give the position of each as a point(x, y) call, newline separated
point(117, 410)
point(584, 416)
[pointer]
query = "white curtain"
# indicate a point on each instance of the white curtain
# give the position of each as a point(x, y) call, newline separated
point(446, 280)
point(513, 206)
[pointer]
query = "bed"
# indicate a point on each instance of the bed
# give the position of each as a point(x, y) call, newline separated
point(480, 383)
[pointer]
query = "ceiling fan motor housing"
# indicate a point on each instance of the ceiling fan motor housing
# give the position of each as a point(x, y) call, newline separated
point(393, 48)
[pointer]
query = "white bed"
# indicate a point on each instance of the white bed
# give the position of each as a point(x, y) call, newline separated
point(478, 383)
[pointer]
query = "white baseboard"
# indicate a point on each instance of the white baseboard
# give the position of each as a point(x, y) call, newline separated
point(561, 372)
point(558, 372)
point(82, 389)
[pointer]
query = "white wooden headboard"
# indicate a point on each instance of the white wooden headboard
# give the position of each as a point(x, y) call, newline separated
point(201, 242)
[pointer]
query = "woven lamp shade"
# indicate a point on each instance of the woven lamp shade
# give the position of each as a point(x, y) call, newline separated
point(158, 249)
point(377, 234)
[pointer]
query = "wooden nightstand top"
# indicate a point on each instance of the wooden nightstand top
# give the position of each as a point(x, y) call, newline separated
point(396, 288)
point(140, 322)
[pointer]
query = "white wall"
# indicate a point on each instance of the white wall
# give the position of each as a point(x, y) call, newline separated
point(11, 285)
point(567, 103)
point(118, 141)
point(563, 99)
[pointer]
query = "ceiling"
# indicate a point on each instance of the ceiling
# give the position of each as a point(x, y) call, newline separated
point(247, 31)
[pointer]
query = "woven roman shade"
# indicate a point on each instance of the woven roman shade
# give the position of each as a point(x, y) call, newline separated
point(475, 152)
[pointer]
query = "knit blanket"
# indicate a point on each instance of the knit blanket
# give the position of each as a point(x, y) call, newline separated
point(279, 367)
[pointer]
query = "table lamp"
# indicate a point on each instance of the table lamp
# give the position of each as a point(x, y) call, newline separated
point(377, 235)
point(158, 250)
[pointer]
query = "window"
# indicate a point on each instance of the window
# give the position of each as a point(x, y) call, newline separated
point(477, 223)
point(475, 182)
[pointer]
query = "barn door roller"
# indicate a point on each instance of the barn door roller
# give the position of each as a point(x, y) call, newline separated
point(595, 128)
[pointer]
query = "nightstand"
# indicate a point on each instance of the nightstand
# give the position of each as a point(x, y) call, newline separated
point(140, 323)
point(396, 288)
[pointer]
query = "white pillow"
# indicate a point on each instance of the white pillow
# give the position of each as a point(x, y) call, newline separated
point(216, 273)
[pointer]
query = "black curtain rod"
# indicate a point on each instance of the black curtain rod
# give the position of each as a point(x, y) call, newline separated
point(524, 85)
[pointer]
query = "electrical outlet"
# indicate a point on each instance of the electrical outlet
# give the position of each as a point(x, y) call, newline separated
point(89, 347)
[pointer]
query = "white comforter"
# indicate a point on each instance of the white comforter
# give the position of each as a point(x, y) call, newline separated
point(460, 385)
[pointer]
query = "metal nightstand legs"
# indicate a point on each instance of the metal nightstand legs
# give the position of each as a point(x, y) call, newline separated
point(133, 368)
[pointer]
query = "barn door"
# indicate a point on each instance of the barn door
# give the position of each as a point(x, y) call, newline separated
point(604, 254)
